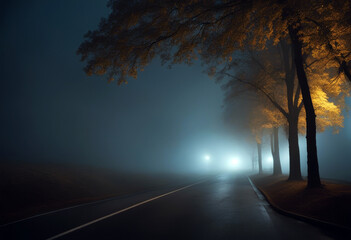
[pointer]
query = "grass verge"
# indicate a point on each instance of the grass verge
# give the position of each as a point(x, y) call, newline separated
point(331, 203)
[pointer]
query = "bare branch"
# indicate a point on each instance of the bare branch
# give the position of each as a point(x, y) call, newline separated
point(275, 104)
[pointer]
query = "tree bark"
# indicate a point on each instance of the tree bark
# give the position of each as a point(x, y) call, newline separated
point(259, 157)
point(313, 179)
point(277, 169)
point(294, 150)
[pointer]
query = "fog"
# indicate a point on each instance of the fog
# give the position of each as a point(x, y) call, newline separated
point(169, 119)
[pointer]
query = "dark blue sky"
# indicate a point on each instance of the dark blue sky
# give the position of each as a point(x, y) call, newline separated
point(54, 112)
point(166, 119)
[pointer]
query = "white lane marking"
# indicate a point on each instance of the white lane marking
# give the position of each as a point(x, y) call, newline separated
point(262, 199)
point(59, 210)
point(120, 211)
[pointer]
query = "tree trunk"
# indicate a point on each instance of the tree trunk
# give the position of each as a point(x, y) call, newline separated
point(272, 147)
point(312, 158)
point(253, 162)
point(259, 157)
point(294, 111)
point(277, 169)
point(294, 150)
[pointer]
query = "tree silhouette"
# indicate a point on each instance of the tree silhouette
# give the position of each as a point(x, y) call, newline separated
point(277, 168)
point(258, 123)
point(137, 31)
point(270, 74)
point(278, 102)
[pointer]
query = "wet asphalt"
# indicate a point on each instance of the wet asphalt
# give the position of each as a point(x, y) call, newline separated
point(221, 207)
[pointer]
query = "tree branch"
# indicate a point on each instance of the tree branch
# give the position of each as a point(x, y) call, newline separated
point(300, 106)
point(297, 95)
point(275, 104)
point(261, 66)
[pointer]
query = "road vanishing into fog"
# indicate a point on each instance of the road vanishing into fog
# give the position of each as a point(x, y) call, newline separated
point(221, 207)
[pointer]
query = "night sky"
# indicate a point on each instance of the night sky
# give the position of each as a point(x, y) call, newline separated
point(167, 119)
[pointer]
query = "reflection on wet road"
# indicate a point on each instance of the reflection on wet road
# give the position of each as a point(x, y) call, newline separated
point(222, 207)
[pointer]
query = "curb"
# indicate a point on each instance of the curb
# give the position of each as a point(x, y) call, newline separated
point(335, 228)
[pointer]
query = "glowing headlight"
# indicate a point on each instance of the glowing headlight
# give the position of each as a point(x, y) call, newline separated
point(233, 163)
point(270, 159)
point(207, 158)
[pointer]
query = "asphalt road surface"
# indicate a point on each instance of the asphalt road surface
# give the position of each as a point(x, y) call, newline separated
point(221, 207)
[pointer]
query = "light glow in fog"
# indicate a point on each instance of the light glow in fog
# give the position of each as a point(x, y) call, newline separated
point(233, 164)
point(207, 158)
point(269, 160)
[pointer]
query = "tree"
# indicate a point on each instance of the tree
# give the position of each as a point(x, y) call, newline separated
point(305, 37)
point(257, 131)
point(330, 37)
point(271, 75)
point(271, 79)
point(259, 157)
point(258, 123)
point(277, 168)
point(137, 31)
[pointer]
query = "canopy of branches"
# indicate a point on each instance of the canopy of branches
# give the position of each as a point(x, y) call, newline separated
point(180, 31)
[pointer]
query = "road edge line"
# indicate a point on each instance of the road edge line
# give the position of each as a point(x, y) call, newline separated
point(258, 193)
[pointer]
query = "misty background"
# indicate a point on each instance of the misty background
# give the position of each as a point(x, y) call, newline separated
point(166, 120)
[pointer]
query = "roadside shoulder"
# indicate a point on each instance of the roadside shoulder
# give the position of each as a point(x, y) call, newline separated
point(318, 207)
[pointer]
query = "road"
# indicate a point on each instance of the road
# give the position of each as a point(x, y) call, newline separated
point(221, 207)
